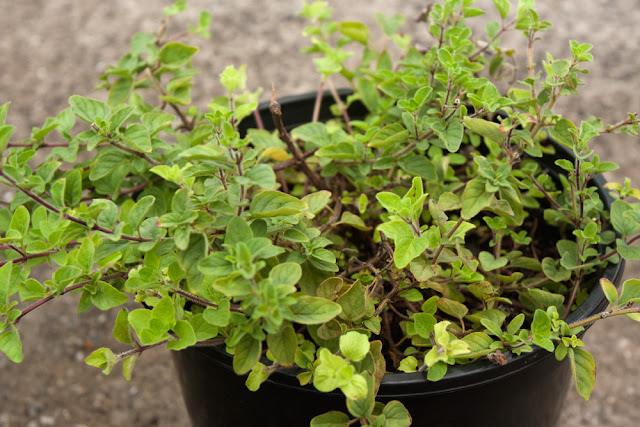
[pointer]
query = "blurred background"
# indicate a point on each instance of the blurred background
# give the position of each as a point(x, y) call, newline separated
point(50, 50)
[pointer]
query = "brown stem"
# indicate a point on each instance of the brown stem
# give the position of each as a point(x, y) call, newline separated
point(200, 301)
point(66, 215)
point(64, 291)
point(292, 161)
point(343, 109)
point(318, 103)
point(276, 113)
point(136, 153)
point(26, 258)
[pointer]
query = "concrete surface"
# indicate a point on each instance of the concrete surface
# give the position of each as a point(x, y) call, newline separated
point(52, 49)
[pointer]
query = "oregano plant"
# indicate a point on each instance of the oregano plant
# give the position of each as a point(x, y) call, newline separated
point(436, 215)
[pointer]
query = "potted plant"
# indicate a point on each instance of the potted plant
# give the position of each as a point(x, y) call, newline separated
point(421, 223)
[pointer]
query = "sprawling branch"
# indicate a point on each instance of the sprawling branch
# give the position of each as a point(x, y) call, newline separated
point(42, 202)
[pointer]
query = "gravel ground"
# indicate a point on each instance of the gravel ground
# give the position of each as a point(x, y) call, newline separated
point(52, 49)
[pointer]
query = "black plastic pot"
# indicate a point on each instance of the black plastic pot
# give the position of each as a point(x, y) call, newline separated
point(528, 391)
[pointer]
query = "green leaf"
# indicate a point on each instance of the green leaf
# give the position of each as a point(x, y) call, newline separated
point(136, 136)
point(557, 274)
point(218, 316)
point(283, 345)
point(176, 54)
point(88, 109)
point(107, 296)
point(127, 366)
point(120, 91)
point(610, 290)
point(237, 231)
point(31, 290)
point(474, 199)
point(630, 292)
point(489, 263)
point(202, 152)
point(5, 134)
point(107, 161)
point(330, 419)
point(317, 201)
point(353, 302)
point(10, 345)
point(73, 189)
point(268, 204)
point(388, 135)
point(138, 212)
point(354, 345)
point(620, 222)
point(102, 358)
point(390, 25)
point(583, 368)
point(246, 354)
point(186, 335)
point(20, 221)
point(287, 273)
point(86, 253)
point(121, 328)
point(452, 308)
point(396, 415)
point(451, 136)
point(490, 130)
point(418, 165)
point(423, 324)
point(164, 312)
point(503, 7)
point(629, 253)
point(437, 371)
point(258, 375)
point(355, 30)
point(313, 310)
point(354, 221)
point(408, 364)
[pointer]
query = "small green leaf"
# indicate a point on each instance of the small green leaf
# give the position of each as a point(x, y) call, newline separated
point(102, 358)
point(287, 273)
point(313, 310)
point(503, 7)
point(122, 329)
point(630, 292)
point(176, 54)
point(20, 221)
point(489, 263)
point(107, 296)
point(86, 254)
point(396, 415)
point(354, 345)
point(246, 354)
point(355, 30)
point(609, 290)
point(186, 335)
point(139, 210)
point(88, 109)
point(330, 419)
point(475, 198)
point(583, 368)
point(136, 136)
point(258, 375)
point(10, 345)
point(283, 345)
point(120, 91)
point(268, 204)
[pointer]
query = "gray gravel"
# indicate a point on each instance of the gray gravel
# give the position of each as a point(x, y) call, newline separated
point(52, 49)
